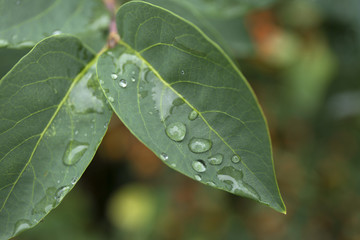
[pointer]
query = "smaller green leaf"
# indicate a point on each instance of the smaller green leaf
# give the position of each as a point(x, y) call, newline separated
point(53, 116)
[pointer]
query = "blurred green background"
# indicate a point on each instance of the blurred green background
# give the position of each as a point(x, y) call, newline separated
point(302, 57)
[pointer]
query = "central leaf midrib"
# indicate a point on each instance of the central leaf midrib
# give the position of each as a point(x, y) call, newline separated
point(76, 79)
point(190, 105)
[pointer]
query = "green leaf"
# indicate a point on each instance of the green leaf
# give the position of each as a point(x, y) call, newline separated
point(9, 57)
point(24, 23)
point(184, 98)
point(53, 116)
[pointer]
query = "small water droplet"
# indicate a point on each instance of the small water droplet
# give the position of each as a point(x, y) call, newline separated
point(193, 115)
point(182, 72)
point(58, 181)
point(85, 134)
point(61, 192)
point(133, 79)
point(3, 43)
point(176, 131)
point(114, 76)
point(111, 99)
point(123, 83)
point(76, 132)
point(199, 166)
point(46, 203)
point(198, 177)
point(21, 226)
point(74, 152)
point(216, 159)
point(74, 180)
point(200, 145)
point(173, 165)
point(57, 32)
point(235, 159)
point(164, 156)
point(101, 82)
point(211, 184)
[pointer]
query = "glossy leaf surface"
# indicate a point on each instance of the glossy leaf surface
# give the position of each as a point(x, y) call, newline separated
point(52, 119)
point(184, 98)
point(25, 22)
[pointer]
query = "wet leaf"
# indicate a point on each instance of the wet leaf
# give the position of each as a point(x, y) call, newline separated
point(184, 98)
point(23, 23)
point(52, 119)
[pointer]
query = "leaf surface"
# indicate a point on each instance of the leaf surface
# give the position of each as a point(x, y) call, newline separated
point(183, 97)
point(53, 116)
point(25, 22)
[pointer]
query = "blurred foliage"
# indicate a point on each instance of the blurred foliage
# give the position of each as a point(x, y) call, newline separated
point(304, 68)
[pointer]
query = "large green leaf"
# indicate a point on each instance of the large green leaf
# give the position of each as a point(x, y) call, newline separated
point(25, 22)
point(183, 97)
point(52, 119)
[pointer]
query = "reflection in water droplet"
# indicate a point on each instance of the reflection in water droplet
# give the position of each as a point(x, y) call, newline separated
point(176, 131)
point(46, 203)
point(21, 226)
point(235, 159)
point(133, 79)
point(200, 145)
point(74, 152)
point(234, 179)
point(216, 159)
point(123, 83)
point(57, 32)
point(61, 192)
point(193, 115)
point(111, 99)
point(164, 156)
point(199, 166)
point(198, 177)
point(114, 76)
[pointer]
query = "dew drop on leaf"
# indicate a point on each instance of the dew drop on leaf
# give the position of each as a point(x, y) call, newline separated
point(176, 131)
point(200, 145)
point(61, 192)
point(193, 115)
point(211, 184)
point(199, 166)
point(235, 159)
point(57, 32)
point(123, 83)
point(47, 203)
point(114, 76)
point(21, 225)
point(198, 177)
point(111, 99)
point(74, 152)
point(216, 159)
point(164, 156)
point(133, 79)
point(182, 72)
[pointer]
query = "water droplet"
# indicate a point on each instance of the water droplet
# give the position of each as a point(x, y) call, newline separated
point(114, 76)
point(211, 184)
point(76, 132)
point(200, 145)
point(58, 181)
point(173, 165)
point(199, 166)
point(57, 32)
point(198, 177)
point(176, 131)
point(193, 115)
point(3, 43)
point(74, 152)
point(101, 82)
point(133, 79)
point(164, 156)
point(61, 192)
point(234, 179)
point(46, 203)
point(182, 72)
point(123, 83)
point(74, 180)
point(21, 226)
point(111, 99)
point(235, 159)
point(216, 159)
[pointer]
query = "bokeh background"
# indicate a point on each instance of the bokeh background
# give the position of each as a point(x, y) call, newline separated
point(302, 57)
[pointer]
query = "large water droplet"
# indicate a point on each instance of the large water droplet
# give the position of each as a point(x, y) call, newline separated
point(46, 203)
point(200, 145)
point(234, 179)
point(123, 83)
point(61, 192)
point(193, 115)
point(114, 76)
point(199, 166)
point(21, 226)
point(197, 177)
point(176, 131)
point(216, 159)
point(235, 159)
point(74, 152)
point(164, 156)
